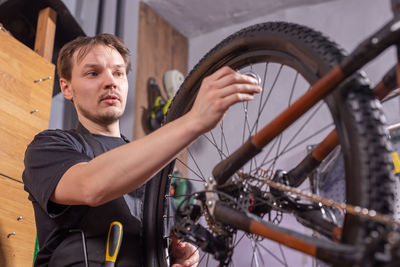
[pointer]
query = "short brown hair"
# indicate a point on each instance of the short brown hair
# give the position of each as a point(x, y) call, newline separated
point(84, 45)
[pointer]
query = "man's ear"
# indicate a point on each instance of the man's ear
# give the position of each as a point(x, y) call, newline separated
point(66, 89)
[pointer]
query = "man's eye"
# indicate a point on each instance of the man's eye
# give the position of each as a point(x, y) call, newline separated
point(119, 74)
point(91, 73)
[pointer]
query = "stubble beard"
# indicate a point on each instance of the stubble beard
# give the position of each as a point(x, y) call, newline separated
point(106, 118)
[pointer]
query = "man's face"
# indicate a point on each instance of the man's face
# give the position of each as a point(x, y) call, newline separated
point(99, 86)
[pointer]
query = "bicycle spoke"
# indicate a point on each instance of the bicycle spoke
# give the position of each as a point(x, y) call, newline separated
point(205, 255)
point(197, 166)
point(184, 195)
point(186, 178)
point(224, 139)
point(286, 150)
point(281, 135)
point(190, 169)
point(267, 98)
point(254, 257)
point(325, 128)
point(311, 116)
point(246, 125)
point(277, 152)
point(273, 255)
point(266, 156)
point(238, 241)
point(280, 138)
point(214, 143)
point(283, 255)
point(259, 253)
point(289, 103)
point(264, 79)
point(292, 90)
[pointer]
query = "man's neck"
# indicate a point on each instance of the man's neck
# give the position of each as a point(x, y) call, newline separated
point(95, 128)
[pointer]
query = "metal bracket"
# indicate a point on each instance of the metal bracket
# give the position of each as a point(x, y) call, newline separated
point(211, 197)
point(11, 234)
point(43, 79)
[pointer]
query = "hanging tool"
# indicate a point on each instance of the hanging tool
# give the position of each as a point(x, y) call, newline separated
point(114, 241)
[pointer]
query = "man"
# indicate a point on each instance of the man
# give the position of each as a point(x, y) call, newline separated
point(80, 181)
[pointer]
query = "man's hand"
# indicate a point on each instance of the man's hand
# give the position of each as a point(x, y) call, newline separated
point(184, 254)
point(217, 93)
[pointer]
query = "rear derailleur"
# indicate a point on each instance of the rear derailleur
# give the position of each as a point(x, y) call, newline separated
point(188, 228)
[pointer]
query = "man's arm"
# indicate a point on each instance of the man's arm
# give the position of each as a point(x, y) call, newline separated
point(125, 168)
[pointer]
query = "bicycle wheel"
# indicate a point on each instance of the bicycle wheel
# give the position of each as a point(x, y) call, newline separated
point(289, 58)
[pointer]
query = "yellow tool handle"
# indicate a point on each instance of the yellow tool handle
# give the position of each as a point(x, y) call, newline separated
point(114, 240)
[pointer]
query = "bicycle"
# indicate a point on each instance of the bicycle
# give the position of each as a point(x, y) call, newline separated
point(250, 188)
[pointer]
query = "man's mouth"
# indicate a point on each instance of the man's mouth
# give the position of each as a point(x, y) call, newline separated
point(110, 99)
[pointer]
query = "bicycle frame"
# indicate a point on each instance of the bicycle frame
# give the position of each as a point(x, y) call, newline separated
point(367, 50)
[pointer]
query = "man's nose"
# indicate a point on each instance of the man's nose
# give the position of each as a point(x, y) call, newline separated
point(109, 81)
point(111, 86)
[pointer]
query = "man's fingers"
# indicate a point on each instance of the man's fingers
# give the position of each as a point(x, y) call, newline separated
point(230, 79)
point(193, 255)
point(232, 83)
point(222, 72)
point(218, 92)
point(185, 254)
point(227, 76)
point(179, 248)
point(238, 89)
point(235, 98)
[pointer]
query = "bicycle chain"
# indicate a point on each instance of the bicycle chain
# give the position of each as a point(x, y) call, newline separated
point(351, 209)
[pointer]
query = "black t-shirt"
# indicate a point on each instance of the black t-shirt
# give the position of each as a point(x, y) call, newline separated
point(62, 229)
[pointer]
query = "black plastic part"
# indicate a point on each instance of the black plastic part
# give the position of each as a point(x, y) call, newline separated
point(395, 6)
point(188, 230)
point(232, 217)
point(313, 219)
point(200, 236)
point(226, 168)
point(297, 175)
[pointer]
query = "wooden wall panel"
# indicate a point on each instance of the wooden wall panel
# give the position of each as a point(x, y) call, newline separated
point(160, 48)
point(25, 101)
point(26, 85)
point(17, 225)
